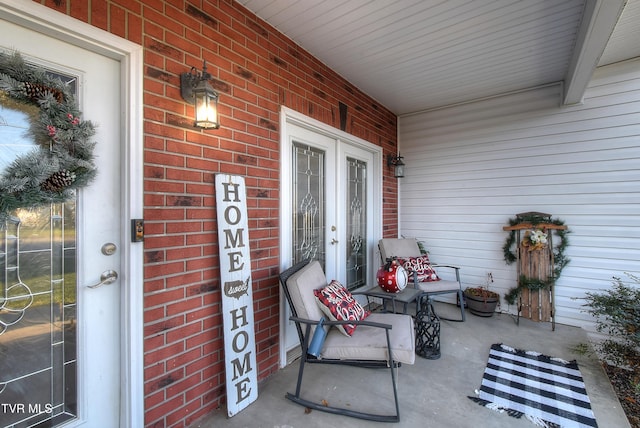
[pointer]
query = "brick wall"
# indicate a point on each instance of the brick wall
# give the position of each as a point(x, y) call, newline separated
point(256, 70)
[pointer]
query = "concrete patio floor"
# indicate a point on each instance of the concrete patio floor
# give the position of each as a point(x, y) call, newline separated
point(433, 392)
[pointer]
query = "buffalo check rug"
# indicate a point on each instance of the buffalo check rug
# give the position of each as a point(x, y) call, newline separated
point(548, 391)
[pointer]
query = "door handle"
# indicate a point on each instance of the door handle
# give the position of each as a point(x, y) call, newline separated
point(334, 241)
point(107, 277)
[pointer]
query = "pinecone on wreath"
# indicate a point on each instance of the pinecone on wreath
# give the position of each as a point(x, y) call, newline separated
point(58, 181)
point(35, 91)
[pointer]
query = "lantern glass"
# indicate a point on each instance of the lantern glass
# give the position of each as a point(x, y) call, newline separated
point(206, 106)
point(399, 168)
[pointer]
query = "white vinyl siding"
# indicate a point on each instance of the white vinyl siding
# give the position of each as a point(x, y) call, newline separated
point(472, 167)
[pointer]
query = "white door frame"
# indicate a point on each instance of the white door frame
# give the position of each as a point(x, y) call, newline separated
point(288, 116)
point(57, 25)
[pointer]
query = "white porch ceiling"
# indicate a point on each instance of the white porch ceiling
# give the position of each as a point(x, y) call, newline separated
point(416, 55)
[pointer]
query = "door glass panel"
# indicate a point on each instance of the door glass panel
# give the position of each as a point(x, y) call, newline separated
point(38, 314)
point(356, 263)
point(308, 203)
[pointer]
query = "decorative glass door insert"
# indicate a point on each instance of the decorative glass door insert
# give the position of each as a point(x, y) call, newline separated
point(38, 363)
point(309, 212)
point(308, 203)
point(356, 223)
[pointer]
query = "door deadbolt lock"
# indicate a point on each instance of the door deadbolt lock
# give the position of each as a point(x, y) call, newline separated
point(109, 249)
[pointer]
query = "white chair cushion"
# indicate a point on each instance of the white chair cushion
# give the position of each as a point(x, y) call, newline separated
point(439, 286)
point(370, 343)
point(301, 285)
point(407, 247)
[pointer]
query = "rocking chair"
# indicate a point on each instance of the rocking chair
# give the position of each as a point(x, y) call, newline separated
point(379, 341)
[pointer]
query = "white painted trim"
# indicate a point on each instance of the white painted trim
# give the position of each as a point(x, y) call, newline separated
point(132, 372)
point(47, 21)
point(285, 224)
point(288, 116)
point(598, 22)
point(398, 185)
point(477, 100)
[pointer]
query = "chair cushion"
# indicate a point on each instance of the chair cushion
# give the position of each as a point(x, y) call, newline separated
point(338, 304)
point(370, 343)
point(442, 286)
point(421, 266)
point(301, 285)
point(401, 248)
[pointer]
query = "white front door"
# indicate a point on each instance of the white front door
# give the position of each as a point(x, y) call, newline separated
point(331, 207)
point(60, 362)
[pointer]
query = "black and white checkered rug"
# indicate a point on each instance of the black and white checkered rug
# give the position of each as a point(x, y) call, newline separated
point(548, 391)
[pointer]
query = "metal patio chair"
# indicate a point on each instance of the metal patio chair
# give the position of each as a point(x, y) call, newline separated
point(382, 340)
point(408, 247)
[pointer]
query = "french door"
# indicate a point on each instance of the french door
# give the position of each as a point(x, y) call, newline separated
point(65, 286)
point(331, 205)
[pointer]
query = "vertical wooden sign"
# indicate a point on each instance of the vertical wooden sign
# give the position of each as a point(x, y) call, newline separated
point(237, 295)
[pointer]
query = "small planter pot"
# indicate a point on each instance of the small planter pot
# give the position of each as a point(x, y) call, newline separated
point(481, 306)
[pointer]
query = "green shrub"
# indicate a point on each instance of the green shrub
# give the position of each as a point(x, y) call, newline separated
point(617, 313)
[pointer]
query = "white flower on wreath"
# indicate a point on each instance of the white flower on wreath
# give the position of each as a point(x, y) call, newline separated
point(538, 237)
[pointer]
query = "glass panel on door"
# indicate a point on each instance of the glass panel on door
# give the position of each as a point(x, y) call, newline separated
point(356, 223)
point(38, 311)
point(38, 316)
point(308, 202)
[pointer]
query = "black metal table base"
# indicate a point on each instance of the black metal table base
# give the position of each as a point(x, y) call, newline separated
point(427, 325)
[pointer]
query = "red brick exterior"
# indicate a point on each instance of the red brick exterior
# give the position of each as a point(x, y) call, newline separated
point(256, 70)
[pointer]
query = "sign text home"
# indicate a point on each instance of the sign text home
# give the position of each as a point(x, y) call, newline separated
point(237, 295)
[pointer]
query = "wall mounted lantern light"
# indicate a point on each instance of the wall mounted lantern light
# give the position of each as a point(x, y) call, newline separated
point(396, 162)
point(195, 89)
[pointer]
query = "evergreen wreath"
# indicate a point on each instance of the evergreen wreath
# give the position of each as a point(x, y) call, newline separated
point(560, 260)
point(62, 160)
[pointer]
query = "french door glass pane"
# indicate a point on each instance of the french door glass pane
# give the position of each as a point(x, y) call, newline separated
point(308, 175)
point(38, 312)
point(38, 317)
point(356, 262)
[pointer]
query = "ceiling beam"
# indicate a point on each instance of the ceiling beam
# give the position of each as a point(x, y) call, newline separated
point(599, 20)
